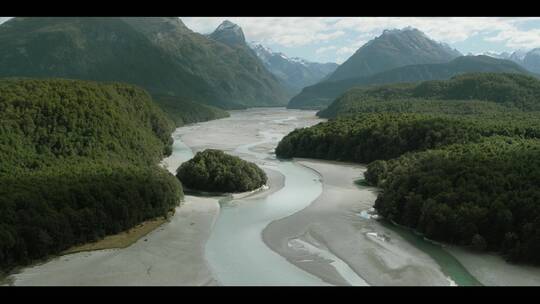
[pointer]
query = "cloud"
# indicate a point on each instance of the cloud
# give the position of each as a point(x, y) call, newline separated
point(284, 31)
point(333, 38)
point(346, 50)
point(325, 49)
point(517, 39)
point(301, 31)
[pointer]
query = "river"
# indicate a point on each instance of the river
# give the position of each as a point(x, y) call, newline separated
point(234, 252)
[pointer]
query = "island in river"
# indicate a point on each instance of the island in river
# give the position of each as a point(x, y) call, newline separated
point(311, 227)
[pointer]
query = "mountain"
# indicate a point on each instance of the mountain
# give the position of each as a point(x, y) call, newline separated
point(229, 33)
point(294, 72)
point(531, 61)
point(503, 55)
point(392, 49)
point(527, 59)
point(510, 91)
point(322, 94)
point(159, 54)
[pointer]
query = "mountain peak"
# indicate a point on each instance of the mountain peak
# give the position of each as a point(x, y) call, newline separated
point(408, 29)
point(229, 33)
point(394, 48)
point(226, 25)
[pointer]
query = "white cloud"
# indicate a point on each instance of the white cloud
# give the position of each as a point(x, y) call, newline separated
point(285, 31)
point(325, 49)
point(333, 38)
point(517, 39)
point(300, 31)
point(346, 50)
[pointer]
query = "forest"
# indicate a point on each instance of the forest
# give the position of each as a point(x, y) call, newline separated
point(482, 195)
point(78, 161)
point(505, 92)
point(364, 138)
point(214, 171)
point(184, 112)
point(456, 160)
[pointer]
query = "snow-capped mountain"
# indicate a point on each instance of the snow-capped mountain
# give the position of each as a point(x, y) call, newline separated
point(527, 59)
point(295, 72)
point(503, 55)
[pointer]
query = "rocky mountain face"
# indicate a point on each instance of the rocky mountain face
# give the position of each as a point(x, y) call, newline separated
point(294, 72)
point(393, 49)
point(229, 33)
point(159, 54)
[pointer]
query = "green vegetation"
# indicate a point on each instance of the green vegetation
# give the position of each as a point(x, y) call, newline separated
point(457, 160)
point(184, 112)
point(159, 54)
point(215, 171)
point(364, 138)
point(324, 93)
point(483, 195)
point(78, 162)
point(502, 91)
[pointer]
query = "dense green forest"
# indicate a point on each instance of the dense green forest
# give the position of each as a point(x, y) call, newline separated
point(214, 171)
point(184, 112)
point(78, 161)
point(324, 93)
point(457, 160)
point(367, 137)
point(484, 195)
point(508, 91)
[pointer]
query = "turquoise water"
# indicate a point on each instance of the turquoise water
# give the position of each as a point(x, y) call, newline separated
point(180, 153)
point(236, 252)
point(450, 266)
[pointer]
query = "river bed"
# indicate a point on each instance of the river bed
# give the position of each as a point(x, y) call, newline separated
point(311, 227)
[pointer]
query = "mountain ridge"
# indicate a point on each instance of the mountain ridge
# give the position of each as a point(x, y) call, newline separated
point(294, 72)
point(159, 54)
point(322, 94)
point(392, 49)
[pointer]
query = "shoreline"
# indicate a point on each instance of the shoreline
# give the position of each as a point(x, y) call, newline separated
point(172, 254)
point(120, 240)
point(487, 268)
point(331, 223)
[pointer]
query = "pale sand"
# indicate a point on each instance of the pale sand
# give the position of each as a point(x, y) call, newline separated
point(121, 240)
point(493, 270)
point(376, 254)
point(171, 255)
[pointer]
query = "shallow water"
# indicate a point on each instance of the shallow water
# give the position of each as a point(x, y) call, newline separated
point(235, 251)
point(448, 263)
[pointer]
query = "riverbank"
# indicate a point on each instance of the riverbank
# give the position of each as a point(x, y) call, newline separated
point(492, 270)
point(173, 254)
point(332, 223)
point(121, 240)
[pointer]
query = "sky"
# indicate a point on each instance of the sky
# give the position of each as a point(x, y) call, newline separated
point(334, 39)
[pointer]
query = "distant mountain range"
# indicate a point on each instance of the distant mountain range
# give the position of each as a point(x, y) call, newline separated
point(392, 49)
point(159, 54)
point(295, 73)
point(463, 94)
point(527, 59)
point(406, 55)
point(322, 94)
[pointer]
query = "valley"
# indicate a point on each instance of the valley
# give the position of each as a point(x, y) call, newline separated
point(284, 235)
point(269, 151)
